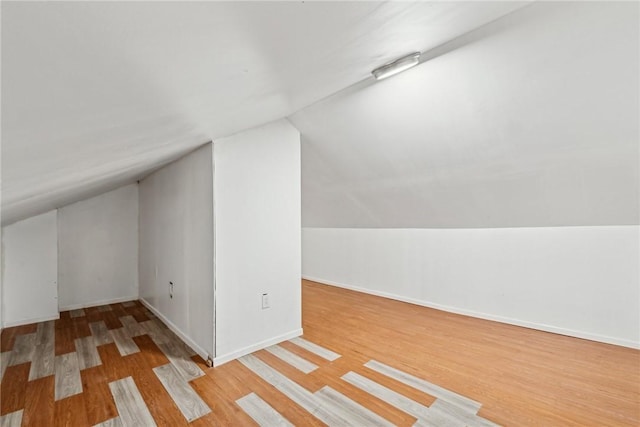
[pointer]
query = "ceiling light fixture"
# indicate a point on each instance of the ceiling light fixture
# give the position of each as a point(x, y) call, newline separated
point(397, 66)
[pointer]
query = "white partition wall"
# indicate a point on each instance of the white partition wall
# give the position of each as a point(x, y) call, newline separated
point(257, 216)
point(176, 247)
point(30, 270)
point(1, 289)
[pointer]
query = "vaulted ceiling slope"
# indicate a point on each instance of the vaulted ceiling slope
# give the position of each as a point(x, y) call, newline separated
point(96, 94)
point(530, 121)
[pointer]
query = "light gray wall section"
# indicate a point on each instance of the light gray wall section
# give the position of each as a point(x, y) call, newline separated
point(176, 245)
point(98, 249)
point(257, 214)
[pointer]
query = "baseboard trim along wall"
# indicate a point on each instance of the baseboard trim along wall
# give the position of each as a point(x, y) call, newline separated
point(485, 316)
point(98, 303)
point(221, 360)
point(29, 321)
point(201, 352)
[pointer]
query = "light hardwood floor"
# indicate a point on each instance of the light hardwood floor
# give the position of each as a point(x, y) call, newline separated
point(363, 361)
point(521, 376)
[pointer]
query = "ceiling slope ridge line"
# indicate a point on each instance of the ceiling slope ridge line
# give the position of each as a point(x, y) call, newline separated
point(256, 127)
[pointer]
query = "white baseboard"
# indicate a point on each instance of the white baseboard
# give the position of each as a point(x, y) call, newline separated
point(184, 337)
point(485, 316)
point(220, 360)
point(29, 321)
point(97, 303)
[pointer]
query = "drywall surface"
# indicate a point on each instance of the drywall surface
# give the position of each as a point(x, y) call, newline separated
point(30, 270)
point(530, 121)
point(1, 285)
point(98, 249)
point(176, 246)
point(1, 281)
point(257, 214)
point(580, 281)
point(152, 80)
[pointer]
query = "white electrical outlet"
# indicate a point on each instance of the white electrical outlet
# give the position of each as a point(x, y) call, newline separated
point(265, 301)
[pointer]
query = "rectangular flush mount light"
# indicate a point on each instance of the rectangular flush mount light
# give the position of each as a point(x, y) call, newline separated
point(397, 66)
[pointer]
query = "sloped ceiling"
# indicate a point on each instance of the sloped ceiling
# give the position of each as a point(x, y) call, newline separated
point(96, 94)
point(529, 121)
point(524, 115)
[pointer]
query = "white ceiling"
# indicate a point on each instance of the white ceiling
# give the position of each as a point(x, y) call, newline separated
point(530, 120)
point(96, 94)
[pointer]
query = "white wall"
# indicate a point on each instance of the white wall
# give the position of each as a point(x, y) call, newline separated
point(98, 249)
point(1, 289)
point(579, 281)
point(176, 245)
point(29, 270)
point(257, 214)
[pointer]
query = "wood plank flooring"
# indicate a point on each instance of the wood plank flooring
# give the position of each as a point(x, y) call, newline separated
point(363, 361)
point(522, 377)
